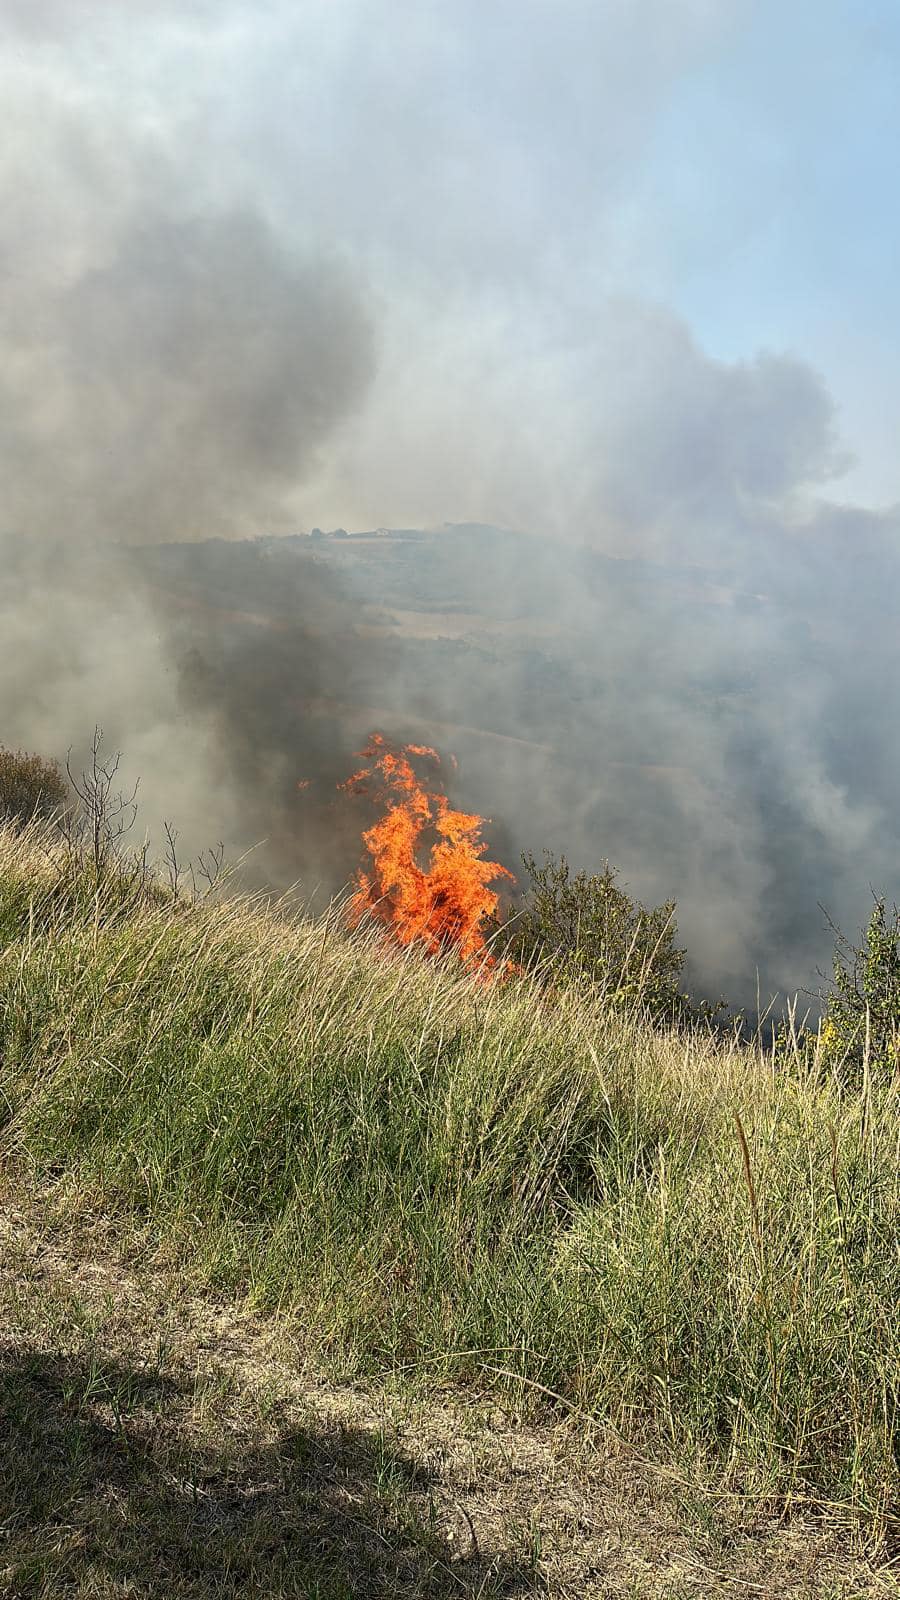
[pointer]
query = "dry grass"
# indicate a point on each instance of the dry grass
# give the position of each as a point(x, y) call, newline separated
point(164, 1443)
point(668, 1240)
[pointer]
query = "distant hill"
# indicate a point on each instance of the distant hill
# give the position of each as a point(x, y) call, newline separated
point(603, 707)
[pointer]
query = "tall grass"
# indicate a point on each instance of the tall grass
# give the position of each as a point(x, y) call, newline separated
point(667, 1231)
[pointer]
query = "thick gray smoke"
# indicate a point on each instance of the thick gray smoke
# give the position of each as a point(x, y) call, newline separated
point(176, 387)
point(166, 373)
point(263, 270)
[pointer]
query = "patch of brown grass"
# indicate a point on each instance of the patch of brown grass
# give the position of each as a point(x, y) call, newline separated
point(161, 1443)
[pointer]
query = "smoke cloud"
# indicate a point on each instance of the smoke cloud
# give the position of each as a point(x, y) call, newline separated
point(263, 271)
point(176, 387)
point(171, 367)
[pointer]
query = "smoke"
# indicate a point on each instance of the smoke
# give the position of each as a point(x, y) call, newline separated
point(179, 387)
point(176, 389)
point(268, 267)
point(720, 721)
point(54, 21)
point(171, 367)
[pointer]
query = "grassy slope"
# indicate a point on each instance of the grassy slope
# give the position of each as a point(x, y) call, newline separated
point(466, 1181)
point(170, 1445)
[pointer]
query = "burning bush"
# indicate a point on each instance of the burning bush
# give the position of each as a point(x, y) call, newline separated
point(446, 904)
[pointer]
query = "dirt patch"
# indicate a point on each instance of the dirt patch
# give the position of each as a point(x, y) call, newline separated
point(159, 1442)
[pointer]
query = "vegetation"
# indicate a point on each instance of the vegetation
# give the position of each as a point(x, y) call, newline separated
point(169, 1444)
point(102, 817)
point(861, 1028)
point(30, 787)
point(531, 1189)
point(585, 929)
point(151, 1458)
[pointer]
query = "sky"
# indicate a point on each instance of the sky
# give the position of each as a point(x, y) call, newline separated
point(769, 182)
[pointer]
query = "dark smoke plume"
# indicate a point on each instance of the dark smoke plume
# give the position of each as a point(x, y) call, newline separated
point(176, 385)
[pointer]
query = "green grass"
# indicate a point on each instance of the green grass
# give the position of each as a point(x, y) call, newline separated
point(673, 1234)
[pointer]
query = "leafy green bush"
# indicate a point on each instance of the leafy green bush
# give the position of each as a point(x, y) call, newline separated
point(588, 928)
point(862, 1017)
point(30, 787)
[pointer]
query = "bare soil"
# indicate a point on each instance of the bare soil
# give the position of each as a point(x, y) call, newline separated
point(158, 1442)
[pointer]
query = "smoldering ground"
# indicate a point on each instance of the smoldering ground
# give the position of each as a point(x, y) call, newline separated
point(258, 273)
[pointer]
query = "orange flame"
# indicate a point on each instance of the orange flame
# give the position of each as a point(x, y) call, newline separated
point(445, 906)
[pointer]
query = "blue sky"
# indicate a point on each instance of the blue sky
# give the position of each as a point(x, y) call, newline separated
point(773, 184)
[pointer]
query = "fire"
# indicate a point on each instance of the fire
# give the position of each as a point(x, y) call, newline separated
point(445, 905)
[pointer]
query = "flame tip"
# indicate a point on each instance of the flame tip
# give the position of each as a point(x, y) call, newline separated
point(445, 906)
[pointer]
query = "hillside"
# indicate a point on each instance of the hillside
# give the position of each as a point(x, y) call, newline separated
point(173, 1443)
point(421, 1181)
point(708, 730)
